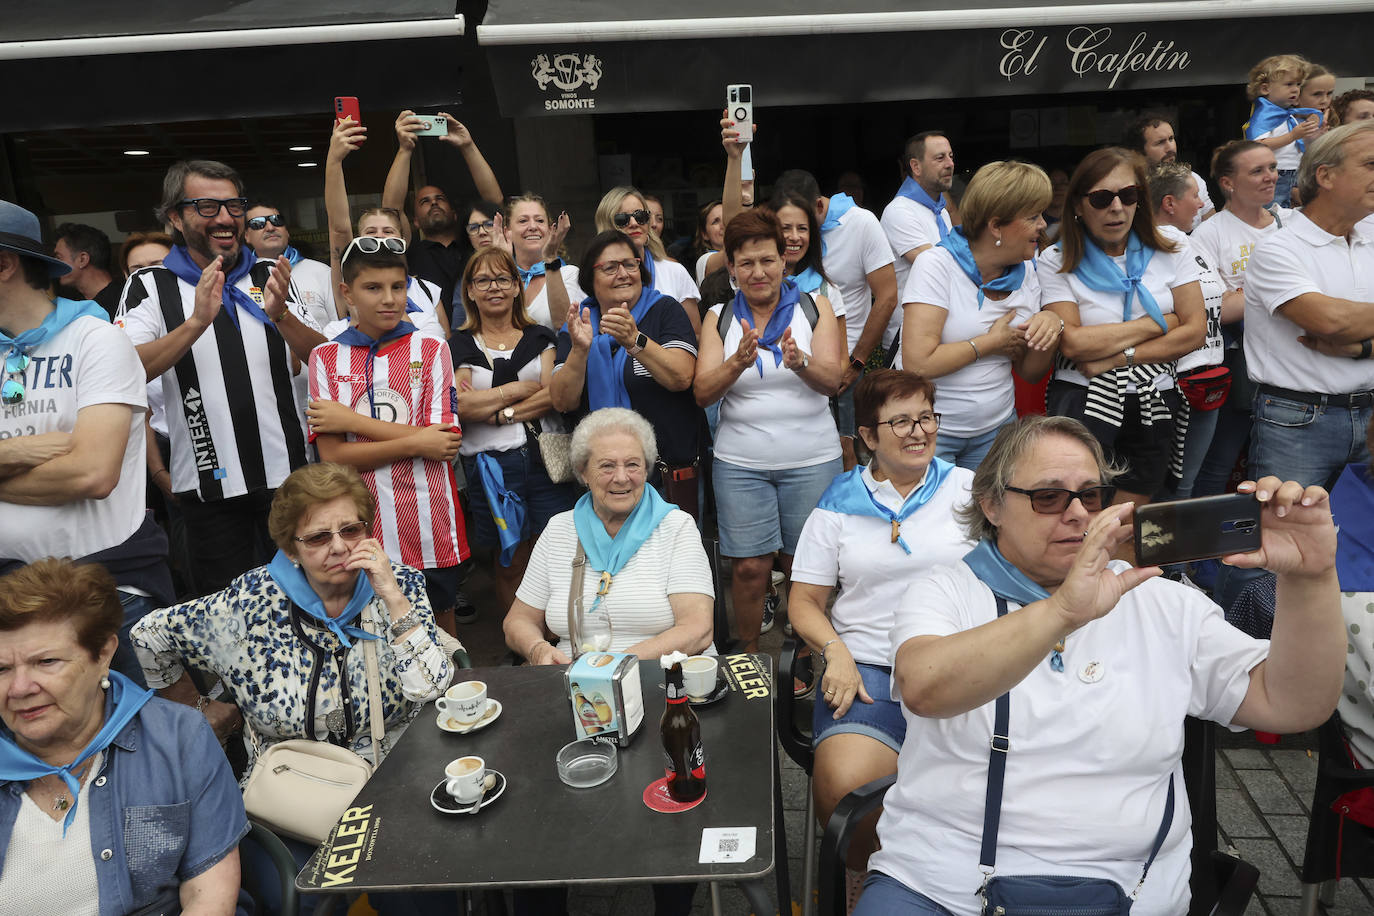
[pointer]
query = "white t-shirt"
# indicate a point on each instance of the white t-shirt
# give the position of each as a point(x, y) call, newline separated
point(1289, 156)
point(491, 437)
point(1213, 288)
point(760, 413)
point(854, 249)
point(88, 362)
point(1204, 197)
point(908, 226)
point(856, 552)
point(49, 865)
point(1090, 761)
point(315, 289)
point(1304, 258)
point(424, 294)
point(671, 561)
point(672, 279)
point(1225, 241)
point(538, 307)
point(979, 397)
point(1166, 271)
point(700, 271)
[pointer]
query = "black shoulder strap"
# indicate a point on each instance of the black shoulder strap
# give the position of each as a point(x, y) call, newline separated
point(808, 307)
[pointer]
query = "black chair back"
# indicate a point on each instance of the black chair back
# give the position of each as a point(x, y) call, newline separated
point(794, 736)
point(1336, 849)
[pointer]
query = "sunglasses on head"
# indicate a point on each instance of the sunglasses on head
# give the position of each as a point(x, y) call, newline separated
point(622, 220)
point(258, 223)
point(1054, 500)
point(350, 533)
point(1102, 199)
point(371, 244)
point(12, 389)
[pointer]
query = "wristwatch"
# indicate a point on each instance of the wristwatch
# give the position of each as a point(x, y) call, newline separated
point(806, 361)
point(399, 627)
point(555, 264)
point(508, 415)
point(856, 363)
point(1129, 353)
point(641, 341)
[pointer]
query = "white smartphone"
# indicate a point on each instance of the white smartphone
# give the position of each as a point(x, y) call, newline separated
point(739, 102)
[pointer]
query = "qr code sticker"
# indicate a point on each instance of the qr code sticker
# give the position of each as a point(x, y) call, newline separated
point(728, 844)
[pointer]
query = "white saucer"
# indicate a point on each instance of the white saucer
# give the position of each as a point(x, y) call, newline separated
point(441, 801)
point(491, 715)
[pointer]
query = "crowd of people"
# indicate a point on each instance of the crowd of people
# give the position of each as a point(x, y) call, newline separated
point(833, 393)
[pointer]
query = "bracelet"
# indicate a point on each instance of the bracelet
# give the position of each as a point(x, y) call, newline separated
point(827, 646)
point(530, 654)
point(1366, 347)
point(976, 354)
point(202, 701)
point(501, 390)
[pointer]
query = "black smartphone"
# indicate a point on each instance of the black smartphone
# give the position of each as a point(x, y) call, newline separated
point(1196, 529)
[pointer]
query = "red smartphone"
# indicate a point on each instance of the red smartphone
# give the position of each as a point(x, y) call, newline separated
point(346, 106)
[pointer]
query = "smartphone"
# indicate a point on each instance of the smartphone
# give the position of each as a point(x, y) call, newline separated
point(432, 126)
point(739, 102)
point(1197, 529)
point(346, 106)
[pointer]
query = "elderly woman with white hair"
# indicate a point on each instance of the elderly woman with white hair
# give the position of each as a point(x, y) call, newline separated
point(646, 569)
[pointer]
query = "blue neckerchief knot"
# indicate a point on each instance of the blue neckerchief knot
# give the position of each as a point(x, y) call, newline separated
point(1352, 509)
point(607, 554)
point(292, 581)
point(507, 507)
point(353, 337)
point(180, 263)
point(911, 189)
point(527, 275)
point(124, 700)
point(1099, 271)
point(1006, 581)
point(1266, 115)
point(840, 204)
point(808, 281)
point(606, 368)
point(956, 243)
point(293, 257)
point(848, 494)
point(65, 311)
point(778, 322)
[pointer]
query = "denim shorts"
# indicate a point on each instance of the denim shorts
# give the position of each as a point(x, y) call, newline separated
point(524, 475)
point(880, 720)
point(763, 511)
point(969, 451)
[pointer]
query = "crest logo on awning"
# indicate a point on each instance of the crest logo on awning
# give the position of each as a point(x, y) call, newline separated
point(567, 72)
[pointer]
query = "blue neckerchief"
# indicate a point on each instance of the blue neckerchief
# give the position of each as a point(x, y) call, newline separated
point(956, 243)
point(527, 275)
point(180, 263)
point(606, 369)
point(18, 765)
point(911, 189)
point(411, 304)
point(1099, 271)
point(1352, 509)
point(293, 257)
point(849, 495)
point(808, 281)
point(291, 580)
point(788, 297)
point(507, 507)
point(1265, 116)
point(1006, 581)
point(353, 337)
point(65, 311)
point(840, 204)
point(609, 555)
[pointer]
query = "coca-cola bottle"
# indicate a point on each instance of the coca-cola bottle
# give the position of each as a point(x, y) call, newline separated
point(684, 757)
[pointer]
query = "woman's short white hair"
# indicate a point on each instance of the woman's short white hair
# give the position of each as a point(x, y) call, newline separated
point(606, 420)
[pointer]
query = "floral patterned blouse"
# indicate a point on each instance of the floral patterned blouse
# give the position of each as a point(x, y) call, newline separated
point(288, 674)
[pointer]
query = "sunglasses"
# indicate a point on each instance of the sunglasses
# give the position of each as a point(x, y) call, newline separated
point(208, 207)
point(351, 534)
point(1102, 199)
point(1054, 500)
point(371, 244)
point(622, 220)
point(258, 223)
point(12, 389)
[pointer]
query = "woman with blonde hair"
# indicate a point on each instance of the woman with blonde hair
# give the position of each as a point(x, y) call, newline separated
point(535, 241)
point(624, 209)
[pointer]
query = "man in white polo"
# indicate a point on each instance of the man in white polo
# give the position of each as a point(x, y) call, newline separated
point(1309, 318)
point(918, 217)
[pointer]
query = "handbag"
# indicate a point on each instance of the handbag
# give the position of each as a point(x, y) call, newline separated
point(1206, 388)
point(301, 787)
point(555, 451)
point(1044, 895)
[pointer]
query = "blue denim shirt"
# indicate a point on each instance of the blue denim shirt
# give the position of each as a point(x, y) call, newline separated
point(164, 807)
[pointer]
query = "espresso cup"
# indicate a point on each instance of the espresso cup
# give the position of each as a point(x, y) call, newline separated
point(465, 702)
point(699, 676)
point(466, 778)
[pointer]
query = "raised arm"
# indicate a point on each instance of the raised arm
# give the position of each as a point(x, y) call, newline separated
point(398, 176)
point(345, 138)
point(488, 188)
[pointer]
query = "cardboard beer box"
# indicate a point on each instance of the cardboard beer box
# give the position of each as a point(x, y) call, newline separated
point(606, 697)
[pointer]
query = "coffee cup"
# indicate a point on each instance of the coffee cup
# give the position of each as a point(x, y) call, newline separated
point(466, 778)
point(699, 676)
point(465, 702)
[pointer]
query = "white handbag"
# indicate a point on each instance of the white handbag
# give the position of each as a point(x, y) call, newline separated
point(300, 788)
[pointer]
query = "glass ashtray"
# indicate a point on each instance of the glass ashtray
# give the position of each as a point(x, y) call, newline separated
point(586, 763)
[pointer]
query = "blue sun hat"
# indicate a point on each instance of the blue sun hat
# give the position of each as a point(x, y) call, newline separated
point(20, 232)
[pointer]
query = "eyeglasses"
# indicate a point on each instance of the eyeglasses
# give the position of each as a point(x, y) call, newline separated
point(371, 244)
point(622, 220)
point(484, 226)
point(1054, 500)
point(258, 223)
point(1102, 199)
point(904, 426)
point(12, 390)
point(351, 534)
point(208, 207)
point(486, 283)
point(611, 268)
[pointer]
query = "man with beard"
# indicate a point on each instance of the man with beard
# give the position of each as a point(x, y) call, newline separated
point(1152, 136)
point(311, 286)
point(918, 217)
point(216, 323)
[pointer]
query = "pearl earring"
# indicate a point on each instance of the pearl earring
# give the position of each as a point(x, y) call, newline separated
point(105, 682)
point(997, 244)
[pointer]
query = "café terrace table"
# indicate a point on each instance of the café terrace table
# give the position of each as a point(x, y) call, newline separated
point(541, 832)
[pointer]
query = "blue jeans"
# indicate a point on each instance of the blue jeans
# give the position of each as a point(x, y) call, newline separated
point(1283, 188)
point(1229, 439)
point(125, 661)
point(763, 511)
point(968, 452)
point(1202, 424)
point(1309, 443)
point(884, 895)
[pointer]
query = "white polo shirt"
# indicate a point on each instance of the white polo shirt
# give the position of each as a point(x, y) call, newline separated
point(1297, 259)
point(854, 249)
point(908, 226)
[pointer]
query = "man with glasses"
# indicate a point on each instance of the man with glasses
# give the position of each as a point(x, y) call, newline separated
point(311, 285)
point(217, 325)
point(71, 433)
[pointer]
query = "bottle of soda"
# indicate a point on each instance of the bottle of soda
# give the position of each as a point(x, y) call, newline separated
point(684, 757)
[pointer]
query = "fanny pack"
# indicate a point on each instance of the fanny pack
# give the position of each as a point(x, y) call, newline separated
point(1206, 388)
point(1044, 895)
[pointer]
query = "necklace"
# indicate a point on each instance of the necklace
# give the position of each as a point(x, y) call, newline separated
point(62, 802)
